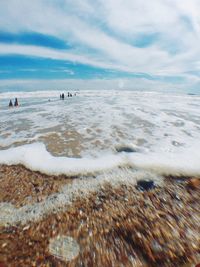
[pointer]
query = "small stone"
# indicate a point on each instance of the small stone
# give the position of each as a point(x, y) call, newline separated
point(145, 185)
point(194, 183)
point(176, 196)
point(127, 149)
point(80, 212)
point(26, 227)
point(4, 245)
point(175, 143)
point(156, 247)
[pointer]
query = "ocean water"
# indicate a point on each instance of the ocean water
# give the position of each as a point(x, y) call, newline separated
point(88, 132)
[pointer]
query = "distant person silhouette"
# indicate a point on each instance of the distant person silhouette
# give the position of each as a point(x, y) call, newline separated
point(16, 104)
point(10, 103)
point(63, 96)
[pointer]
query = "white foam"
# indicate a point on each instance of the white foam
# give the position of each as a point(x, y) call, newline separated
point(10, 215)
point(37, 158)
point(102, 120)
point(185, 163)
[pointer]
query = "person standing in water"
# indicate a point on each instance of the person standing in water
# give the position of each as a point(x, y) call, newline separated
point(10, 103)
point(16, 104)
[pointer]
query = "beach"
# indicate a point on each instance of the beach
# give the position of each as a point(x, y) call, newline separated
point(69, 175)
point(115, 224)
point(99, 133)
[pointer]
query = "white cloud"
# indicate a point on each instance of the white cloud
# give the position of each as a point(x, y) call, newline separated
point(102, 32)
point(88, 84)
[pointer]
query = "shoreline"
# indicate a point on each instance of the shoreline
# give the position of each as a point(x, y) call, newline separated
point(113, 225)
point(34, 186)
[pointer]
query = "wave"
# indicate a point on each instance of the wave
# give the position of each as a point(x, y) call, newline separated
point(35, 157)
point(53, 93)
point(56, 93)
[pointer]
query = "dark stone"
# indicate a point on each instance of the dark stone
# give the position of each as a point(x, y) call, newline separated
point(126, 149)
point(145, 185)
point(175, 196)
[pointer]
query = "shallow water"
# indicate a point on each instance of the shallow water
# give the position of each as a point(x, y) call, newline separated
point(93, 124)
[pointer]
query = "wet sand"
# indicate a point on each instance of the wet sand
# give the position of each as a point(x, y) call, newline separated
point(113, 227)
point(21, 186)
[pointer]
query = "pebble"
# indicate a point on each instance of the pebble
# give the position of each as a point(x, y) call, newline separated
point(127, 149)
point(145, 185)
point(156, 247)
point(26, 227)
point(194, 183)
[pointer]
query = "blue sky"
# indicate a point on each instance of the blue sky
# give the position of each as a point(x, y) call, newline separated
point(135, 44)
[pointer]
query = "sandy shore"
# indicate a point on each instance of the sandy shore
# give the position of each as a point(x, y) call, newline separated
point(21, 186)
point(115, 226)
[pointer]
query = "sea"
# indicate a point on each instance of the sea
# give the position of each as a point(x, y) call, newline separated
point(97, 130)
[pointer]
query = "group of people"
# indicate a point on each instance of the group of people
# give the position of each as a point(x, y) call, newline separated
point(62, 96)
point(16, 103)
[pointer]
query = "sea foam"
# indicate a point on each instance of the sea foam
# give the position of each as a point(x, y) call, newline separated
point(79, 188)
point(94, 122)
point(35, 157)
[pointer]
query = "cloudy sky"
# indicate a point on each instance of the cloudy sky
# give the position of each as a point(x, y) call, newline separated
point(136, 44)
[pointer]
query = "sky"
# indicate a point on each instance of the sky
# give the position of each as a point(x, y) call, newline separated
point(125, 44)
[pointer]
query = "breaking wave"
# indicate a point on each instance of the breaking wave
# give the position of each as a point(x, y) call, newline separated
point(37, 158)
